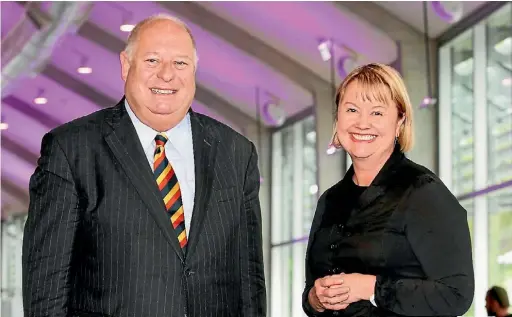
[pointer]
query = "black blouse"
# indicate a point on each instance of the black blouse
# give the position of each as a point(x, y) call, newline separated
point(408, 230)
point(330, 237)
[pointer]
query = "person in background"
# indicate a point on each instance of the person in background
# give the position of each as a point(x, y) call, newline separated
point(146, 208)
point(389, 239)
point(496, 302)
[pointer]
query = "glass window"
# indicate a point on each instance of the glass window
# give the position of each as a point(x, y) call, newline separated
point(479, 85)
point(287, 281)
point(294, 181)
point(500, 238)
point(294, 198)
point(499, 95)
point(462, 103)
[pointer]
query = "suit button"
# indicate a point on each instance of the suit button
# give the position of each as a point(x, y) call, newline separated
point(333, 246)
point(335, 313)
point(340, 226)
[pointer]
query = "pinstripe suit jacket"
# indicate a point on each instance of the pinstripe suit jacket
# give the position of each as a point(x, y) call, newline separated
point(98, 241)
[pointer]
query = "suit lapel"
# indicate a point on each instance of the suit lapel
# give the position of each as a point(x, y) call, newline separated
point(123, 140)
point(205, 149)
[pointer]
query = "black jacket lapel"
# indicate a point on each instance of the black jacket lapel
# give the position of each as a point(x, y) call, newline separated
point(123, 140)
point(205, 149)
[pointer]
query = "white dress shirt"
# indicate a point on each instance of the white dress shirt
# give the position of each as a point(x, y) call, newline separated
point(180, 153)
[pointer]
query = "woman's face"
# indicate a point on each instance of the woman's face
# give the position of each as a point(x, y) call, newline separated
point(366, 127)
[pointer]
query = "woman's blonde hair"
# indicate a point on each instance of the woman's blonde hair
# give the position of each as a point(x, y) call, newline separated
point(382, 83)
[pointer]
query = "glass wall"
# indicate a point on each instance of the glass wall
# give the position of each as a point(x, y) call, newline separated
point(294, 197)
point(475, 120)
point(11, 281)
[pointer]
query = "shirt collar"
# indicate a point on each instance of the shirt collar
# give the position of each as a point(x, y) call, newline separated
point(180, 136)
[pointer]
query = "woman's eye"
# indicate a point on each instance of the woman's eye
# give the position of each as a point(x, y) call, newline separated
point(377, 113)
point(151, 60)
point(351, 110)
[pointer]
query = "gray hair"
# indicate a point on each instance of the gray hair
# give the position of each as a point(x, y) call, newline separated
point(134, 34)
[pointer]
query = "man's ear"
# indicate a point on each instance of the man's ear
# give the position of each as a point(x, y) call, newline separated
point(125, 65)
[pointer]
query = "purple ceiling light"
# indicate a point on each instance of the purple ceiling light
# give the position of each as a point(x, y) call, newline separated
point(427, 102)
point(84, 67)
point(347, 59)
point(325, 49)
point(449, 11)
point(273, 113)
point(347, 64)
point(3, 124)
point(40, 99)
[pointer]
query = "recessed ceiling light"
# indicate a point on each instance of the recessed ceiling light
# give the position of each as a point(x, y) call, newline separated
point(507, 81)
point(40, 100)
point(84, 70)
point(127, 27)
point(3, 126)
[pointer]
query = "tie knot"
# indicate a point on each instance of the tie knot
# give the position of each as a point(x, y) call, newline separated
point(161, 139)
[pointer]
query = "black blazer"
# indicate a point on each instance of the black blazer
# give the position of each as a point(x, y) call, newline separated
point(98, 241)
point(409, 231)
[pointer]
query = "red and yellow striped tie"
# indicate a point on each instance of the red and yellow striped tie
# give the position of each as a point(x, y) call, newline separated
point(170, 189)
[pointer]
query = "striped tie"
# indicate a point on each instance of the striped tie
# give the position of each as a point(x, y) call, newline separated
point(170, 189)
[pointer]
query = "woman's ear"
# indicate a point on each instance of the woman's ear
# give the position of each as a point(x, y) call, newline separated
point(400, 125)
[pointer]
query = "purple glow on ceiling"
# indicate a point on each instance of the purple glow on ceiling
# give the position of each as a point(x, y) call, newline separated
point(294, 27)
point(106, 67)
point(11, 13)
point(231, 73)
point(449, 11)
point(63, 104)
point(18, 125)
point(16, 170)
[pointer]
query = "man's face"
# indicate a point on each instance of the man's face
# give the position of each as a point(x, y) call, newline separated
point(160, 73)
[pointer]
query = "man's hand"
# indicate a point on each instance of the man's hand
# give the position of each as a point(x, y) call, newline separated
point(329, 292)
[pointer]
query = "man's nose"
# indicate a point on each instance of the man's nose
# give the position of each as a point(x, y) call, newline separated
point(167, 72)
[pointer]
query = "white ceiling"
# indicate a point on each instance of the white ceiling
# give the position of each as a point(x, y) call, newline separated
point(411, 12)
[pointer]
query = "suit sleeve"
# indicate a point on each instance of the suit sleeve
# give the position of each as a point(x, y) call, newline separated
point(253, 299)
point(49, 234)
point(437, 230)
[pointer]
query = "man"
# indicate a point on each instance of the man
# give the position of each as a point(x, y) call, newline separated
point(146, 208)
point(496, 302)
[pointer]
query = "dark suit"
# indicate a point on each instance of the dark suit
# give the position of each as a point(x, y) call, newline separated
point(407, 229)
point(98, 241)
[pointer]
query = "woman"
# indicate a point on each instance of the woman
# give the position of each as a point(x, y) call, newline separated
point(389, 239)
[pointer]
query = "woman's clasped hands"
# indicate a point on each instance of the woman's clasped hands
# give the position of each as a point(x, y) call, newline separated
point(336, 292)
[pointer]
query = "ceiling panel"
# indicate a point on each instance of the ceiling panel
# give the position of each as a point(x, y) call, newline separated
point(411, 12)
point(25, 131)
point(106, 69)
point(11, 13)
point(224, 69)
point(16, 170)
point(295, 28)
point(62, 104)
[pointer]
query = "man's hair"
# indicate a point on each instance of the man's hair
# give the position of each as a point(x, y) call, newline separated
point(134, 34)
point(499, 294)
